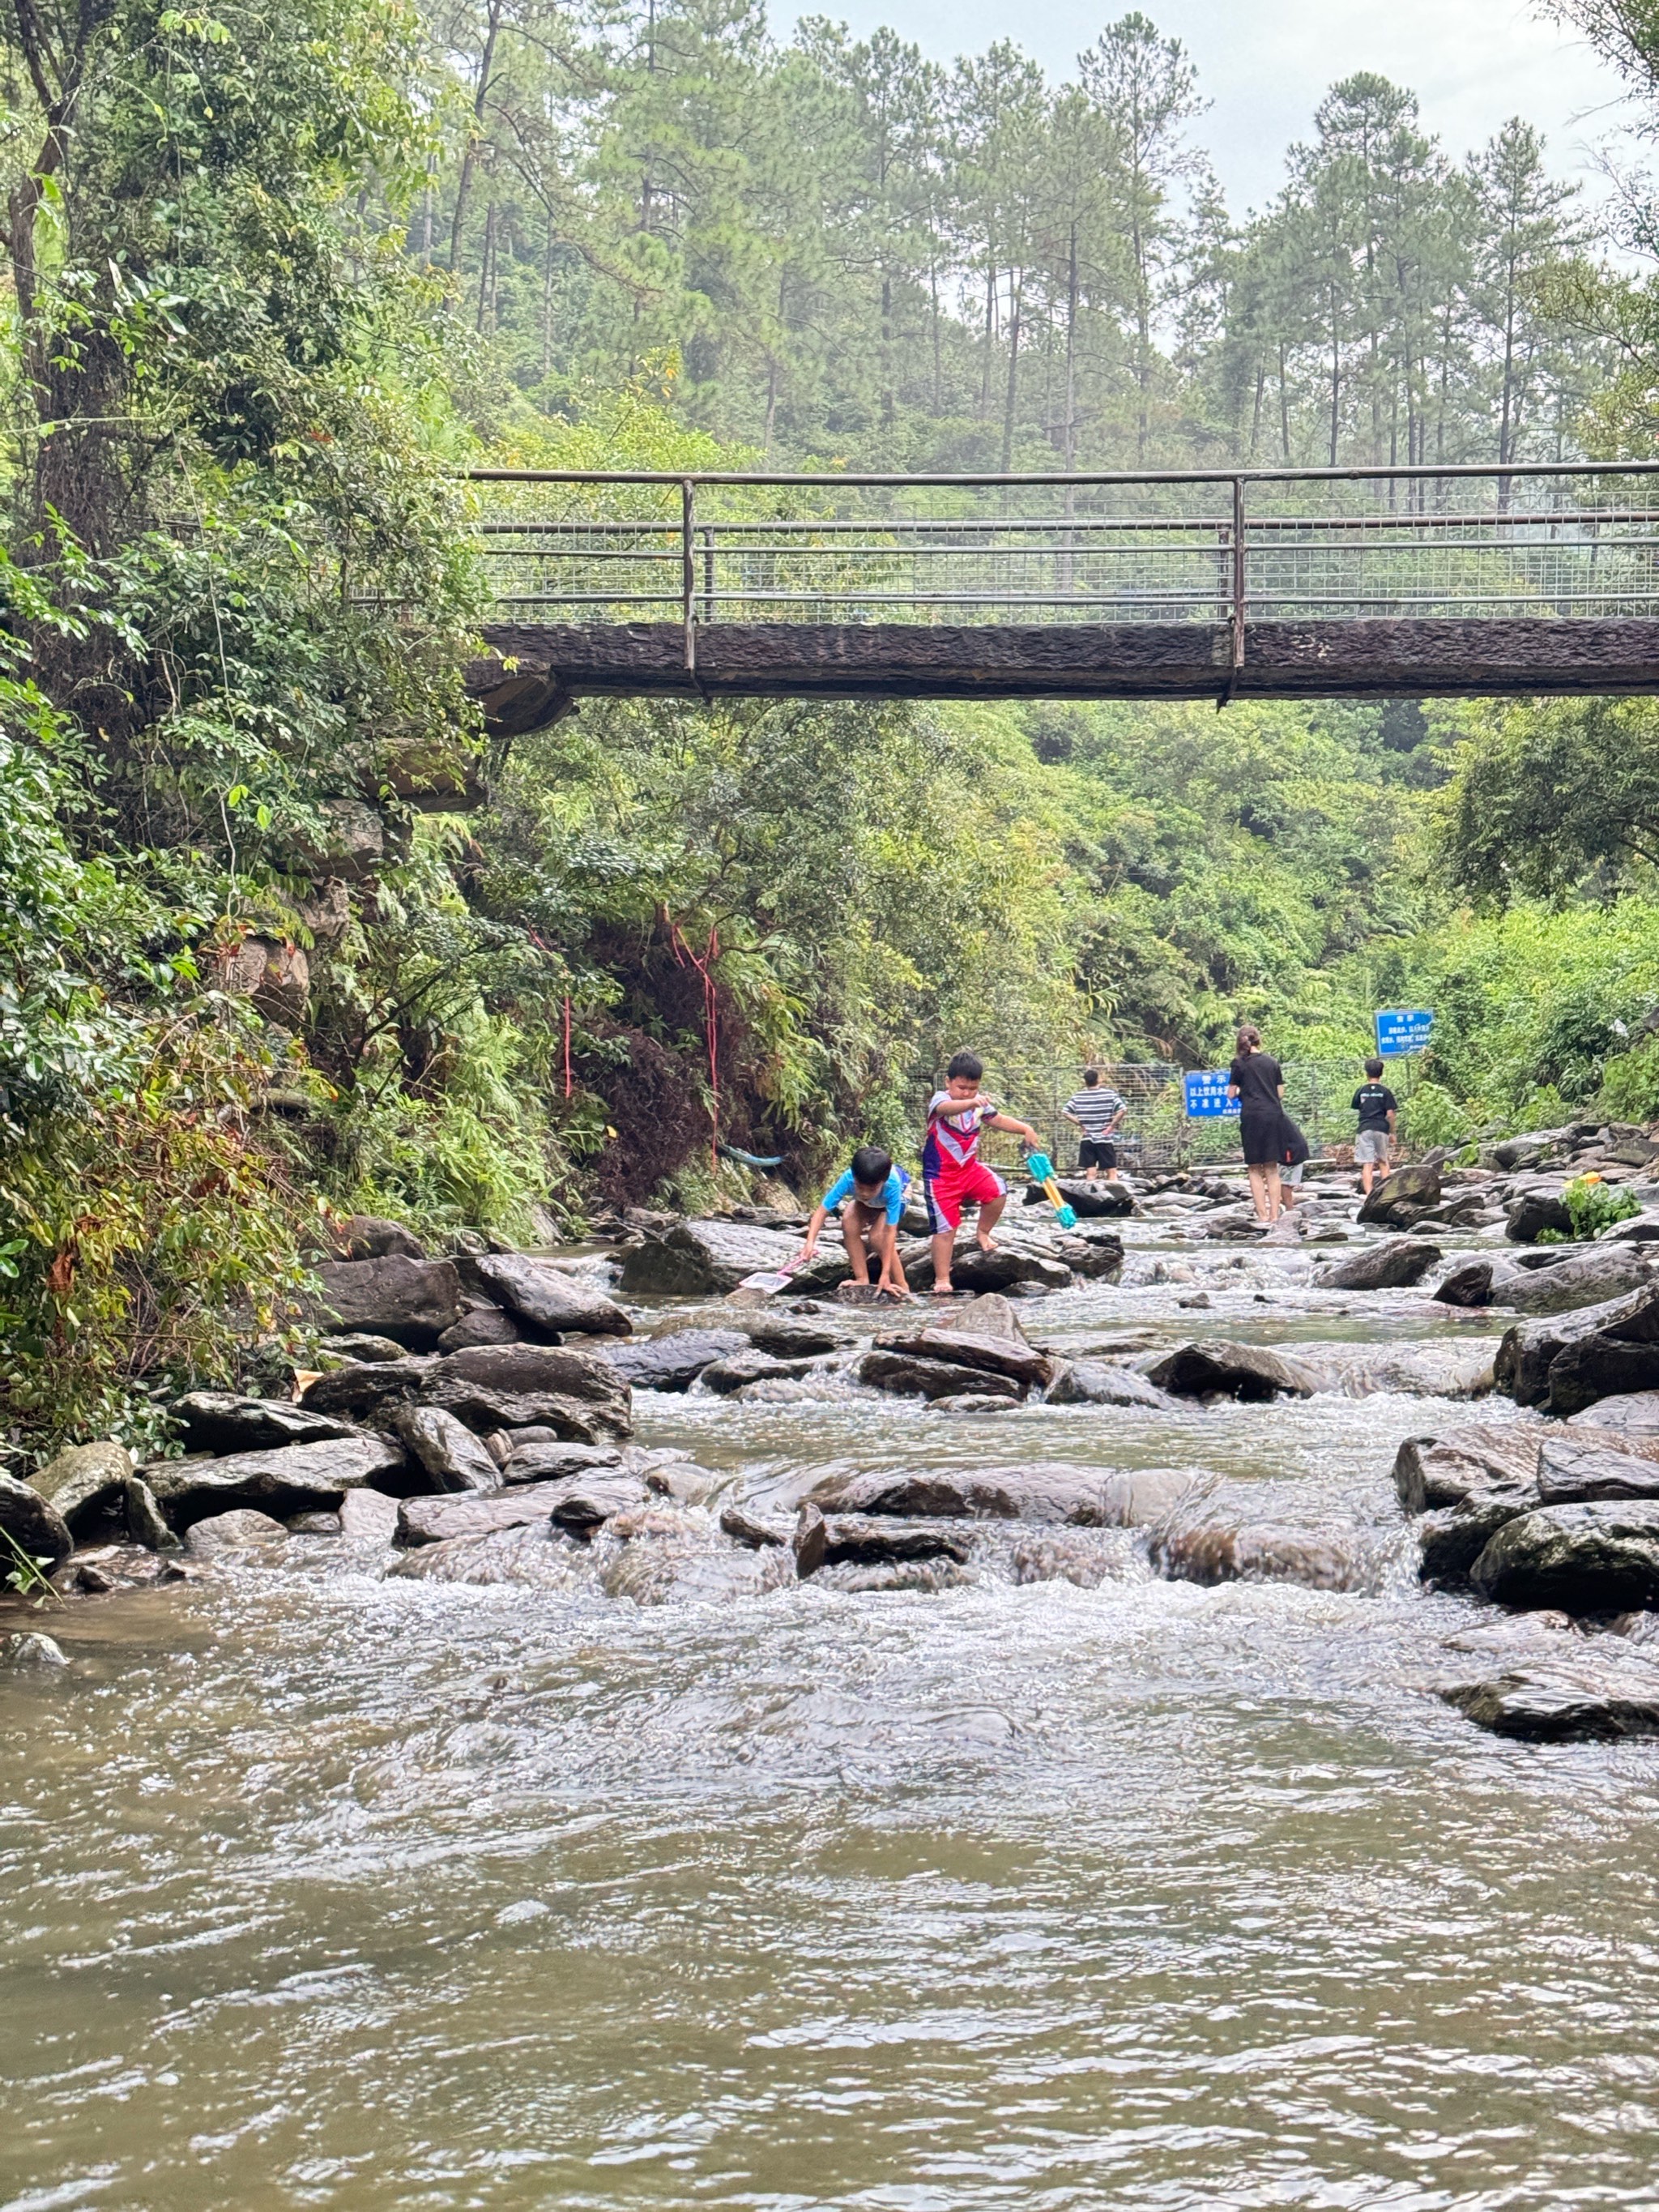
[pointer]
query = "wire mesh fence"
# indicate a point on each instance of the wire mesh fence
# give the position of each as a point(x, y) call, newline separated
point(1576, 540)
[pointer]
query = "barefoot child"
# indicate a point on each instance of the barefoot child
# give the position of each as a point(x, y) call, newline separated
point(870, 1197)
point(953, 1173)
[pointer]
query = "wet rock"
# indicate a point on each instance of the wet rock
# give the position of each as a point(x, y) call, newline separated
point(577, 1394)
point(868, 1539)
point(411, 1301)
point(1022, 1264)
point(314, 1524)
point(1592, 1559)
point(368, 1516)
point(788, 1339)
point(241, 1530)
point(142, 1518)
point(1394, 1265)
point(1246, 1371)
point(1527, 1151)
point(1097, 1497)
point(453, 1457)
point(359, 1346)
point(1212, 1548)
point(1424, 1370)
point(984, 1335)
point(1096, 1383)
point(1641, 1229)
point(87, 1485)
point(31, 1653)
point(367, 1390)
point(1636, 1411)
point(474, 1513)
point(1474, 1282)
point(295, 1478)
point(1434, 1473)
point(696, 1259)
point(370, 1236)
point(683, 1567)
point(1565, 1362)
point(1088, 1201)
point(671, 1474)
point(552, 1461)
point(1451, 1539)
point(1084, 1558)
point(1403, 1197)
point(903, 1375)
point(725, 1376)
point(1534, 1211)
point(590, 1500)
point(1578, 1470)
point(536, 1556)
point(1593, 1694)
point(34, 1525)
point(747, 1528)
point(809, 1546)
point(929, 1577)
point(220, 1421)
point(674, 1362)
point(1097, 1255)
point(484, 1325)
point(547, 1298)
point(1583, 1278)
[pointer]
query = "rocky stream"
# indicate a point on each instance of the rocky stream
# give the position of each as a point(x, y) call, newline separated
point(1173, 1728)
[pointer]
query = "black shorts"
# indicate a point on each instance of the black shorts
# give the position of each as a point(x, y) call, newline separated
point(1097, 1153)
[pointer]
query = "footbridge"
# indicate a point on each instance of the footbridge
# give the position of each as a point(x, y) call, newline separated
point(1184, 584)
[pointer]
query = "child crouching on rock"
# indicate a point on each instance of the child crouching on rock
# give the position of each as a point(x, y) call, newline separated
point(870, 1197)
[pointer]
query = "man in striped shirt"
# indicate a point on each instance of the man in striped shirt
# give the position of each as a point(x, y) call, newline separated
point(1098, 1110)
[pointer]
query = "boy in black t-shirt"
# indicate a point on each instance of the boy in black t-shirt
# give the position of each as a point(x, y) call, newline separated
point(1376, 1106)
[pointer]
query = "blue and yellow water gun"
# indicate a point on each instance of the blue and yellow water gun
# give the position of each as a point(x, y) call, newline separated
point(1041, 1168)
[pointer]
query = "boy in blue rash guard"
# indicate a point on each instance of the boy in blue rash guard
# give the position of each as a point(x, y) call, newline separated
point(870, 1197)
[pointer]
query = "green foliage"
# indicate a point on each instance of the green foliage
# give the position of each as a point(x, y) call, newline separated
point(1595, 1206)
point(1630, 1089)
point(1431, 1116)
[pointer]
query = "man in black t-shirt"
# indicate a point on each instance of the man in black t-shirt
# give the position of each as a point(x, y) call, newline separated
point(1376, 1106)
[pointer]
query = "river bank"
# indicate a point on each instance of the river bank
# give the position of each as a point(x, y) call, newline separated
point(1032, 1878)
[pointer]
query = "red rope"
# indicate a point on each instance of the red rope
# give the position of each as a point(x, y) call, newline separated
point(711, 1022)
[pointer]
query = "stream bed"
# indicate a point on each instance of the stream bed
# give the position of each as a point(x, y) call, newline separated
point(323, 1889)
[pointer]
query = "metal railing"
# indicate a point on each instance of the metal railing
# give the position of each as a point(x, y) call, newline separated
point(1562, 540)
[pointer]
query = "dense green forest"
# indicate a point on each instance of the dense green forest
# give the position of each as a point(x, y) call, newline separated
point(282, 931)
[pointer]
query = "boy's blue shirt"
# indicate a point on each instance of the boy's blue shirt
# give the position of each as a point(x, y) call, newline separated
point(892, 1194)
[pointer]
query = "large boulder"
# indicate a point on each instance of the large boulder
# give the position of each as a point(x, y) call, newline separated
point(1586, 1278)
point(1565, 1361)
point(1094, 1253)
point(1016, 1259)
point(1088, 1201)
point(31, 1525)
point(984, 1335)
point(439, 1520)
point(1534, 1212)
point(700, 1259)
point(1403, 1197)
point(1394, 1265)
point(550, 1301)
point(1223, 1369)
point(740, 1368)
point(86, 1484)
point(221, 1421)
point(1214, 1545)
point(867, 1538)
point(411, 1301)
point(482, 1325)
point(1637, 1414)
point(1589, 1690)
point(243, 1529)
point(577, 1394)
point(674, 1362)
point(1581, 1470)
point(1477, 1281)
point(296, 1479)
point(1101, 1383)
point(371, 1237)
point(543, 1462)
point(367, 1390)
point(536, 1556)
point(1432, 1473)
point(453, 1457)
point(1080, 1497)
point(1600, 1558)
point(909, 1374)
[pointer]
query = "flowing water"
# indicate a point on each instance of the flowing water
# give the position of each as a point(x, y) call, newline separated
point(323, 1890)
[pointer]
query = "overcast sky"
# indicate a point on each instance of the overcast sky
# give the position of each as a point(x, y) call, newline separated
point(1265, 66)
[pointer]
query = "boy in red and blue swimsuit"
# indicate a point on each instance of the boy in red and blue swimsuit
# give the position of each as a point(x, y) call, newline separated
point(952, 1173)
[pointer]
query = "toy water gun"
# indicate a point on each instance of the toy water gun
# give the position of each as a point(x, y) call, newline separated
point(1041, 1169)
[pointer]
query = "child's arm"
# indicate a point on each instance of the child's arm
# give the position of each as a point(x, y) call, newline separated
point(1020, 1129)
point(815, 1230)
point(959, 1109)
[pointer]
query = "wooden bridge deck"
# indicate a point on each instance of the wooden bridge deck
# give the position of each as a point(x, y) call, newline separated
point(1186, 585)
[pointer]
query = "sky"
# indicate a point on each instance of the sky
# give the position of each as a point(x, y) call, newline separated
point(1265, 63)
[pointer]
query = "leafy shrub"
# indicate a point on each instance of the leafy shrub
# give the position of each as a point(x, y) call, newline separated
point(1630, 1089)
point(1596, 1205)
point(1432, 1117)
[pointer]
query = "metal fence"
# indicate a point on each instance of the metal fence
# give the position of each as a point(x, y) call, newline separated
point(1156, 1136)
point(1574, 539)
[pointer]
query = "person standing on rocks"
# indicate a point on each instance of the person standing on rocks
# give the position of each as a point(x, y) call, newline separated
point(1098, 1110)
point(953, 1173)
point(1376, 1106)
point(1255, 1079)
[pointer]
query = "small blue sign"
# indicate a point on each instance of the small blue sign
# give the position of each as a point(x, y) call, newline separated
point(1206, 1096)
point(1402, 1029)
